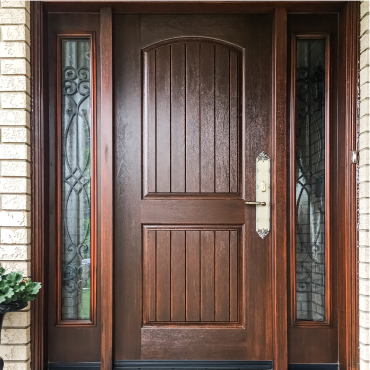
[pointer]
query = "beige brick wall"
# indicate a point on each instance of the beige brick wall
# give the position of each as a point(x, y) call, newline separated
point(364, 189)
point(15, 156)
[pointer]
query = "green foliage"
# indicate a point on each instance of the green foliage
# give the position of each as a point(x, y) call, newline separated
point(13, 287)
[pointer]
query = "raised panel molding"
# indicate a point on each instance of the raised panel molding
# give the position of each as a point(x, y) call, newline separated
point(192, 107)
point(191, 274)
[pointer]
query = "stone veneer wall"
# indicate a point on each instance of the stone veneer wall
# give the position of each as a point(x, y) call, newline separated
point(15, 157)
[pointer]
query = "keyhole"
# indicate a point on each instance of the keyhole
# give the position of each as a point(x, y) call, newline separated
point(263, 186)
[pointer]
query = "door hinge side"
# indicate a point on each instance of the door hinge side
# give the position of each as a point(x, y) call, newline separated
point(354, 156)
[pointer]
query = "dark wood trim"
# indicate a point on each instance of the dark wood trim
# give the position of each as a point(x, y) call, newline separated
point(328, 280)
point(220, 7)
point(348, 278)
point(39, 266)
point(106, 196)
point(58, 176)
point(279, 192)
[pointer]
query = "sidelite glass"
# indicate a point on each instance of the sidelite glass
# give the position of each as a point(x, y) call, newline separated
point(310, 179)
point(76, 179)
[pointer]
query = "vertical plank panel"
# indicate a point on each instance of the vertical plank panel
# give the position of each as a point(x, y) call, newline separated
point(163, 109)
point(106, 196)
point(178, 275)
point(192, 118)
point(222, 119)
point(222, 276)
point(150, 117)
point(234, 123)
point(207, 119)
point(207, 298)
point(178, 118)
point(192, 275)
point(233, 275)
point(163, 269)
point(151, 268)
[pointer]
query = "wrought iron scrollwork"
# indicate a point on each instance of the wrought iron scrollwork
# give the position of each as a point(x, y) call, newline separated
point(310, 194)
point(76, 187)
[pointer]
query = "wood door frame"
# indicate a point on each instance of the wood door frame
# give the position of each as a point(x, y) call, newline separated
point(349, 31)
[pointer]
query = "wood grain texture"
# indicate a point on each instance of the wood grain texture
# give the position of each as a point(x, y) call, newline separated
point(67, 343)
point(192, 118)
point(39, 265)
point(106, 205)
point(191, 274)
point(279, 193)
point(322, 342)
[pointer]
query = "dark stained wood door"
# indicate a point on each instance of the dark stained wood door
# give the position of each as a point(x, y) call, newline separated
point(192, 111)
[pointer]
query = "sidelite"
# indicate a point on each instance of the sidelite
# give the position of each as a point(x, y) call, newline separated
point(310, 179)
point(76, 180)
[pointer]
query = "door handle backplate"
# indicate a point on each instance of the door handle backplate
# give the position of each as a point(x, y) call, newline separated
point(262, 195)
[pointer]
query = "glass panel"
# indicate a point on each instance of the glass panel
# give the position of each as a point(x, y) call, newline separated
point(310, 180)
point(76, 172)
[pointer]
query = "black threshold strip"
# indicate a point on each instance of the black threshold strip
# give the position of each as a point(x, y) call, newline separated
point(168, 365)
point(189, 365)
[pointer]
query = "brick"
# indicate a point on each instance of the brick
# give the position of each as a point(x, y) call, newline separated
point(15, 252)
point(364, 173)
point(364, 110)
point(364, 190)
point(15, 169)
point(15, 67)
point(364, 157)
point(15, 336)
point(14, 50)
point(364, 76)
point(17, 319)
point(10, 352)
point(15, 4)
point(364, 140)
point(363, 303)
point(364, 42)
point(15, 266)
point(16, 33)
point(15, 236)
point(363, 240)
point(16, 202)
point(15, 185)
point(14, 16)
point(15, 135)
point(364, 24)
point(364, 319)
point(15, 151)
point(364, 365)
point(364, 8)
point(364, 335)
point(14, 83)
point(364, 59)
point(16, 365)
point(363, 285)
point(15, 218)
point(364, 91)
point(14, 118)
point(364, 222)
point(363, 270)
point(16, 100)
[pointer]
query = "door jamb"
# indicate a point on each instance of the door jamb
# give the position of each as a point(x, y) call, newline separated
point(348, 323)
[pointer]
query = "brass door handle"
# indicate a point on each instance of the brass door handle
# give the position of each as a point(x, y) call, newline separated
point(256, 203)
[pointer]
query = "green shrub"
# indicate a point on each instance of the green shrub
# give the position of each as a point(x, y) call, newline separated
point(13, 287)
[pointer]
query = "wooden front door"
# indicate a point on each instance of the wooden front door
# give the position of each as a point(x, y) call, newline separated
point(192, 111)
point(155, 124)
